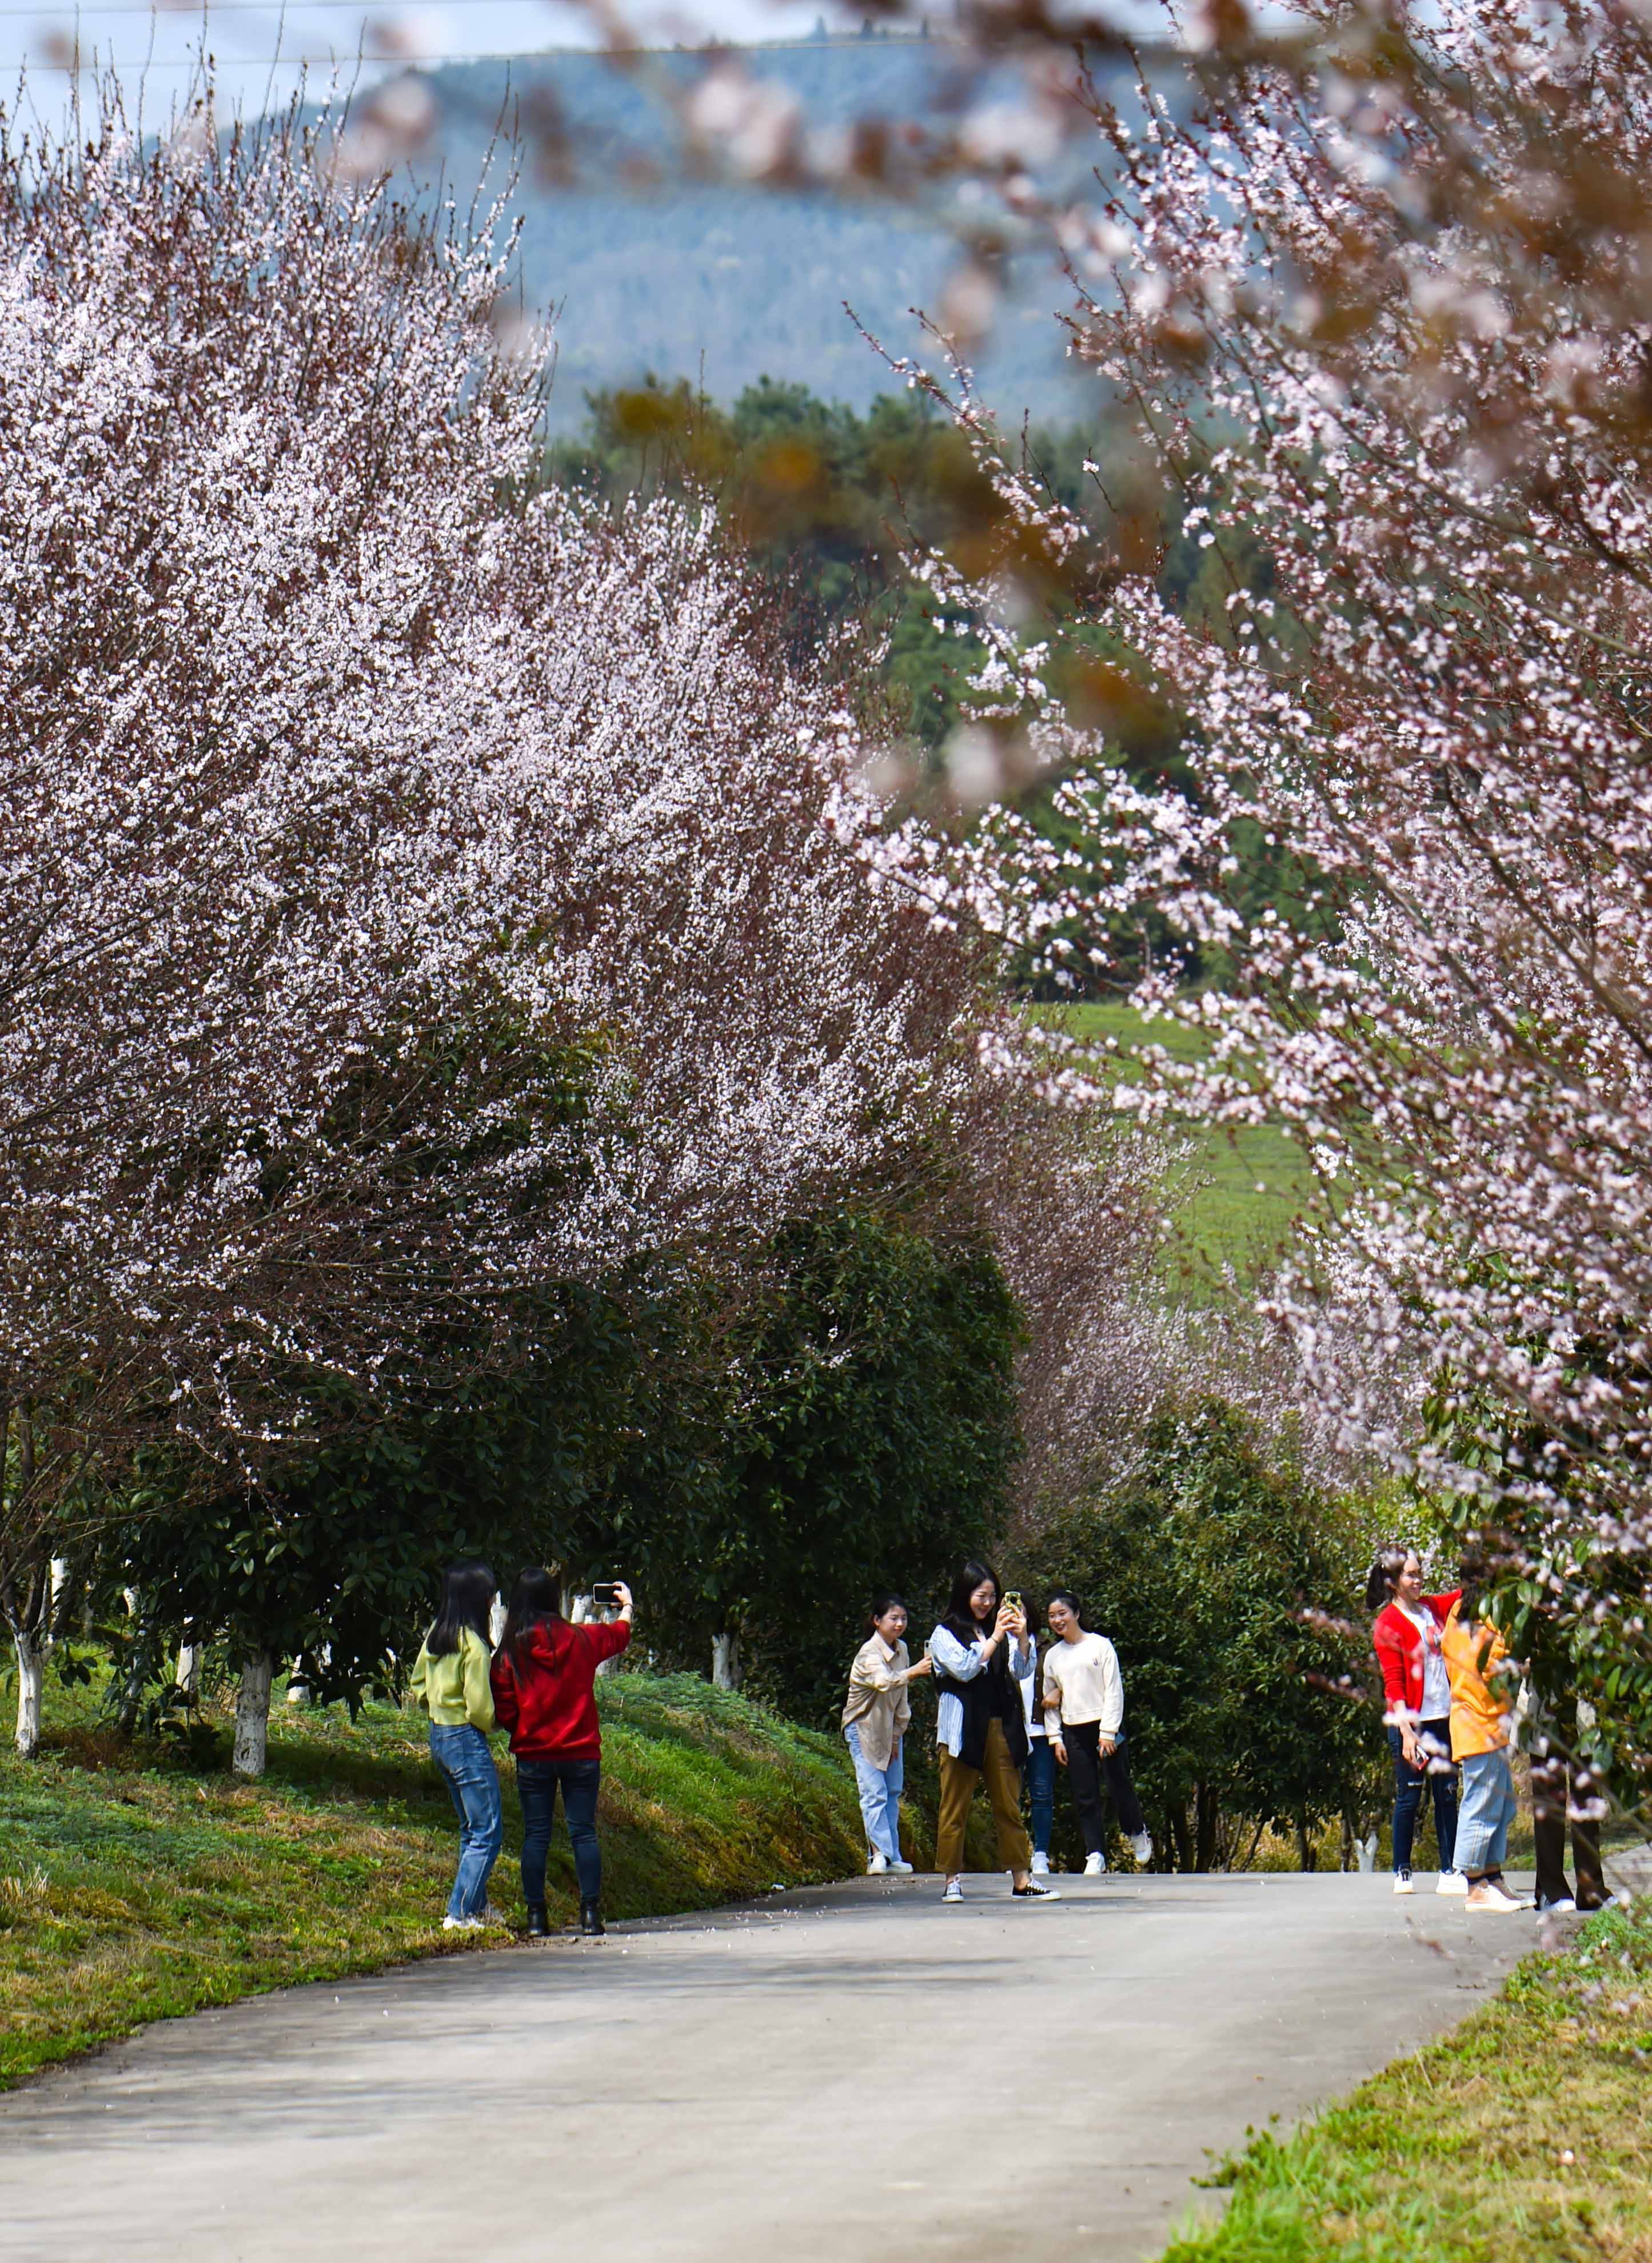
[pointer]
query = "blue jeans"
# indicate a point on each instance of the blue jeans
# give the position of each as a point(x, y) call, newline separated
point(1041, 1791)
point(1409, 1784)
point(1487, 1812)
point(880, 1795)
point(473, 1783)
point(537, 1783)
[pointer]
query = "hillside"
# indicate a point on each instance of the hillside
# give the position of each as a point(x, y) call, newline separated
point(726, 284)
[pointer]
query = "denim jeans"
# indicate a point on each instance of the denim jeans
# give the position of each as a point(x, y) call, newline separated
point(880, 1795)
point(1409, 1785)
point(1041, 1791)
point(537, 1783)
point(1488, 1810)
point(467, 1770)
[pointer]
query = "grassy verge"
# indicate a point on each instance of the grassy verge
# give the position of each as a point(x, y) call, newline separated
point(135, 1887)
point(1524, 2137)
point(1241, 1193)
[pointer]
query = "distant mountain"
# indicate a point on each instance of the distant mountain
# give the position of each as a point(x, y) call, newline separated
point(725, 285)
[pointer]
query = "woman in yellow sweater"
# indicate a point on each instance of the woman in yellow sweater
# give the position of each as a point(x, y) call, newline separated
point(451, 1680)
point(1482, 1708)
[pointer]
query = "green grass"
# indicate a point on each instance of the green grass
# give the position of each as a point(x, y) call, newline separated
point(136, 1886)
point(1524, 2137)
point(1239, 1196)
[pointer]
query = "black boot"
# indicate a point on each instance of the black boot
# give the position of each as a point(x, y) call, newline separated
point(591, 1917)
point(538, 1923)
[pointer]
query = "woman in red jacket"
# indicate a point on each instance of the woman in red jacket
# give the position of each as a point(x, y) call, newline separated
point(542, 1679)
point(1406, 1638)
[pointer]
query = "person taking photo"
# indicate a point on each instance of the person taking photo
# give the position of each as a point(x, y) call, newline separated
point(451, 1680)
point(544, 1689)
point(1084, 1713)
point(1407, 1637)
point(980, 1653)
point(876, 1715)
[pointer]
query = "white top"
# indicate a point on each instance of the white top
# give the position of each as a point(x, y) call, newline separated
point(1436, 1704)
point(1082, 1682)
point(963, 1662)
point(1029, 1694)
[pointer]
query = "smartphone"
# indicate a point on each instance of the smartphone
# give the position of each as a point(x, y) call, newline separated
point(605, 1593)
point(1013, 1601)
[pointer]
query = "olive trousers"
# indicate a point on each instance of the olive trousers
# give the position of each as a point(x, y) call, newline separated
point(1003, 1788)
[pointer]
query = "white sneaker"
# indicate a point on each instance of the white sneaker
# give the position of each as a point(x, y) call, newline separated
point(1041, 1866)
point(1402, 1882)
point(1094, 1865)
point(461, 1924)
point(954, 1891)
point(1451, 1882)
point(492, 1916)
point(1487, 1896)
point(1142, 1846)
point(905, 1868)
point(877, 1863)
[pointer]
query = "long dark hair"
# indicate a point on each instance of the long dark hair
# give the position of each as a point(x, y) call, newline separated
point(468, 1589)
point(1386, 1566)
point(959, 1619)
point(536, 1602)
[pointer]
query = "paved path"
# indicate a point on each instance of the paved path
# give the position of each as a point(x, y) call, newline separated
point(814, 2079)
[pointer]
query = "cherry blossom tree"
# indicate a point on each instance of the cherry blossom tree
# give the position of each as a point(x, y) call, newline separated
point(1379, 300)
point(414, 896)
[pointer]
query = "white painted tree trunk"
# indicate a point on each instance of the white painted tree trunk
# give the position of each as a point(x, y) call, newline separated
point(31, 1664)
point(189, 1670)
point(252, 1714)
point(726, 1661)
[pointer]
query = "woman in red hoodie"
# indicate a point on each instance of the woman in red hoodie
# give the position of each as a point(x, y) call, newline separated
point(542, 1679)
point(1407, 1640)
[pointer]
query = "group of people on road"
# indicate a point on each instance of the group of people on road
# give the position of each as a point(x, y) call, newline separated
point(1452, 1701)
point(998, 1724)
point(1005, 1720)
point(539, 1685)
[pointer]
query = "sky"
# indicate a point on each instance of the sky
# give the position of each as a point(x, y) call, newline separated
point(259, 50)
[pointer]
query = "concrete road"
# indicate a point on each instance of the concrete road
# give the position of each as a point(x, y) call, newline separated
point(814, 2079)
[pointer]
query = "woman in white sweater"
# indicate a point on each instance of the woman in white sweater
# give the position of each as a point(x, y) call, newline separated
point(1084, 1713)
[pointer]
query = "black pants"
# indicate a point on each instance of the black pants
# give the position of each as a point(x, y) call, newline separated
point(1087, 1766)
point(537, 1783)
point(1558, 1785)
point(1411, 1784)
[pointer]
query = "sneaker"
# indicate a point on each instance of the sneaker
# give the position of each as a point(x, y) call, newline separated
point(904, 1868)
point(493, 1916)
point(1032, 1891)
point(1563, 1905)
point(877, 1863)
point(1142, 1846)
point(954, 1891)
point(1402, 1882)
point(1451, 1882)
point(1094, 1865)
point(461, 1924)
point(1490, 1895)
point(1041, 1866)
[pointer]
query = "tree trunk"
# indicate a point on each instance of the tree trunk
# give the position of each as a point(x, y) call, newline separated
point(1305, 1855)
point(137, 1672)
point(726, 1661)
point(1206, 1815)
point(1179, 1835)
point(252, 1713)
point(189, 1671)
point(31, 1664)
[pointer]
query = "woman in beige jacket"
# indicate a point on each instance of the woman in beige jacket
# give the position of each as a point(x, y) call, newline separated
point(875, 1718)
